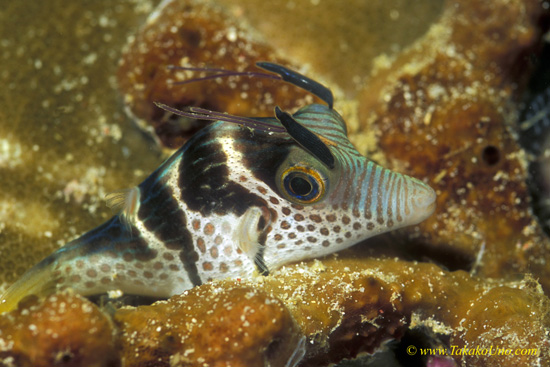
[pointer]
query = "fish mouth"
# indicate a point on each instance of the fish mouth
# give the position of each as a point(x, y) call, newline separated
point(424, 202)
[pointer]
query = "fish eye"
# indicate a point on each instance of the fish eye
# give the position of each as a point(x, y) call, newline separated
point(302, 185)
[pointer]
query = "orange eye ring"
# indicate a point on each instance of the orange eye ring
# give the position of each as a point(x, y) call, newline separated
point(303, 185)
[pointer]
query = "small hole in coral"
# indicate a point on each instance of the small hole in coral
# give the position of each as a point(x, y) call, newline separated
point(63, 358)
point(490, 155)
point(169, 343)
point(273, 350)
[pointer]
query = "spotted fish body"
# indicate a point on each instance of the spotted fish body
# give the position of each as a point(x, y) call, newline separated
point(232, 202)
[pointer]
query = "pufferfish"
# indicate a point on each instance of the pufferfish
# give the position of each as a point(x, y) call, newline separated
point(243, 196)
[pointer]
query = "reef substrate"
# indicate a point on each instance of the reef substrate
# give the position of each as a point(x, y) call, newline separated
point(198, 34)
point(445, 111)
point(342, 306)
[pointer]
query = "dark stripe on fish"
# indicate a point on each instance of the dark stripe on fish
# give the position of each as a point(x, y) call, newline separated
point(110, 237)
point(263, 154)
point(204, 178)
point(161, 214)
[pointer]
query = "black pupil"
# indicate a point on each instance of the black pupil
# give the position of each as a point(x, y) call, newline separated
point(300, 186)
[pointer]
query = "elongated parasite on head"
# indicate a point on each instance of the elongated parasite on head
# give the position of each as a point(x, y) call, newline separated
point(242, 196)
point(307, 139)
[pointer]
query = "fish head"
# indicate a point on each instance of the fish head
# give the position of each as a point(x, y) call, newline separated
point(313, 205)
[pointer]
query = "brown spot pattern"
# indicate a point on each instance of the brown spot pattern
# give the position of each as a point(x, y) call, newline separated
point(316, 218)
point(127, 257)
point(345, 219)
point(105, 268)
point(201, 245)
point(299, 217)
point(331, 218)
point(209, 229)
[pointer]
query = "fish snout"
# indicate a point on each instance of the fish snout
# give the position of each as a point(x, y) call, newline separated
point(422, 198)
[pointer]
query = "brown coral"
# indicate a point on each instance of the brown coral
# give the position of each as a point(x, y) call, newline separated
point(352, 305)
point(443, 112)
point(213, 325)
point(63, 330)
point(198, 34)
point(343, 306)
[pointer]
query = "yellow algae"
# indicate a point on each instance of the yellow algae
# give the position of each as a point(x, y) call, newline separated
point(64, 139)
point(338, 42)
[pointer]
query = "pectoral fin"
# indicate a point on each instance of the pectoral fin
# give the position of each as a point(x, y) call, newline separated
point(253, 229)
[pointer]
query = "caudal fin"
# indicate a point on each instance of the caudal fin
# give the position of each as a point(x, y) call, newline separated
point(37, 281)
